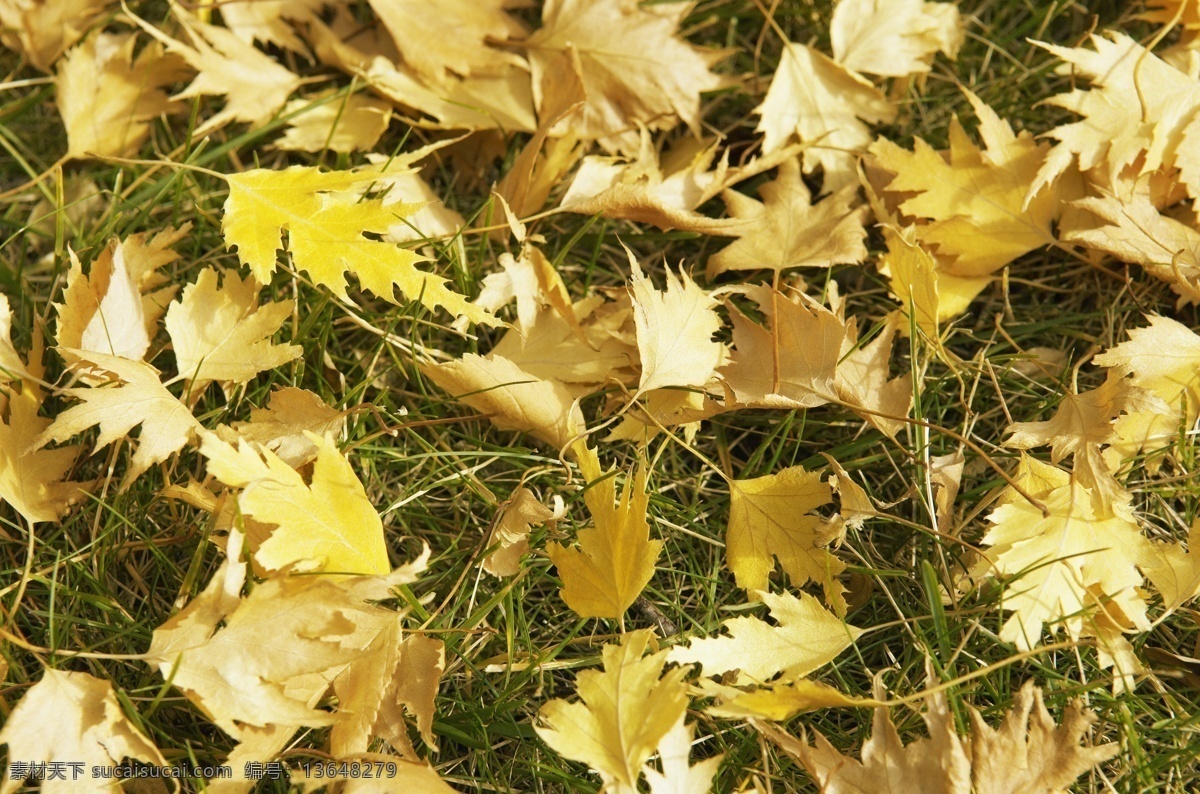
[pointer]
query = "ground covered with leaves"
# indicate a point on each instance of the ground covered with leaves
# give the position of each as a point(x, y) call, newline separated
point(599, 396)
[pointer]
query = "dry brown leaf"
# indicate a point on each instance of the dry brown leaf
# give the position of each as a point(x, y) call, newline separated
point(515, 517)
point(787, 230)
point(73, 718)
point(637, 70)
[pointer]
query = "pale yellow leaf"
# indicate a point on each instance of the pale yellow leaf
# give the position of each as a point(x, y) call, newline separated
point(43, 29)
point(515, 517)
point(807, 637)
point(677, 777)
point(782, 701)
point(825, 105)
point(625, 712)
point(893, 38)
point(132, 396)
point(73, 718)
point(675, 331)
point(345, 124)
point(269, 21)
point(863, 382)
point(454, 38)
point(222, 334)
point(511, 397)
point(281, 427)
point(636, 68)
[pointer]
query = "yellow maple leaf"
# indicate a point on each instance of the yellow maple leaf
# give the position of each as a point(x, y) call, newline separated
point(928, 292)
point(326, 223)
point(73, 718)
point(636, 69)
point(769, 520)
point(970, 204)
point(893, 38)
point(625, 712)
point(1164, 359)
point(675, 331)
point(11, 366)
point(44, 29)
point(326, 525)
point(825, 105)
point(1074, 568)
point(787, 230)
point(222, 334)
point(807, 637)
point(108, 99)
point(132, 395)
point(511, 397)
point(615, 558)
point(780, 701)
point(792, 365)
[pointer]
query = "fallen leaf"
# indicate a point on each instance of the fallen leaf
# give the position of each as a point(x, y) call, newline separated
point(255, 85)
point(787, 230)
point(326, 221)
point(283, 425)
point(675, 331)
point(73, 718)
point(825, 105)
point(677, 777)
point(806, 638)
point(615, 556)
point(624, 714)
point(769, 520)
point(108, 99)
point(784, 700)
point(515, 517)
point(326, 525)
point(511, 397)
point(11, 366)
point(222, 334)
point(893, 39)
point(1029, 753)
point(864, 383)
point(44, 29)
point(636, 69)
point(321, 122)
point(970, 203)
point(269, 21)
point(132, 395)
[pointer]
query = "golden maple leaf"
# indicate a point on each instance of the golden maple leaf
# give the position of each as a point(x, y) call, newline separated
point(615, 558)
point(636, 69)
point(624, 714)
point(222, 334)
point(779, 701)
point(787, 230)
point(893, 38)
point(73, 718)
point(326, 221)
point(970, 204)
point(769, 520)
point(806, 638)
point(326, 525)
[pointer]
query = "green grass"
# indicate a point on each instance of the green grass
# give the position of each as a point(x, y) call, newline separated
point(122, 563)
